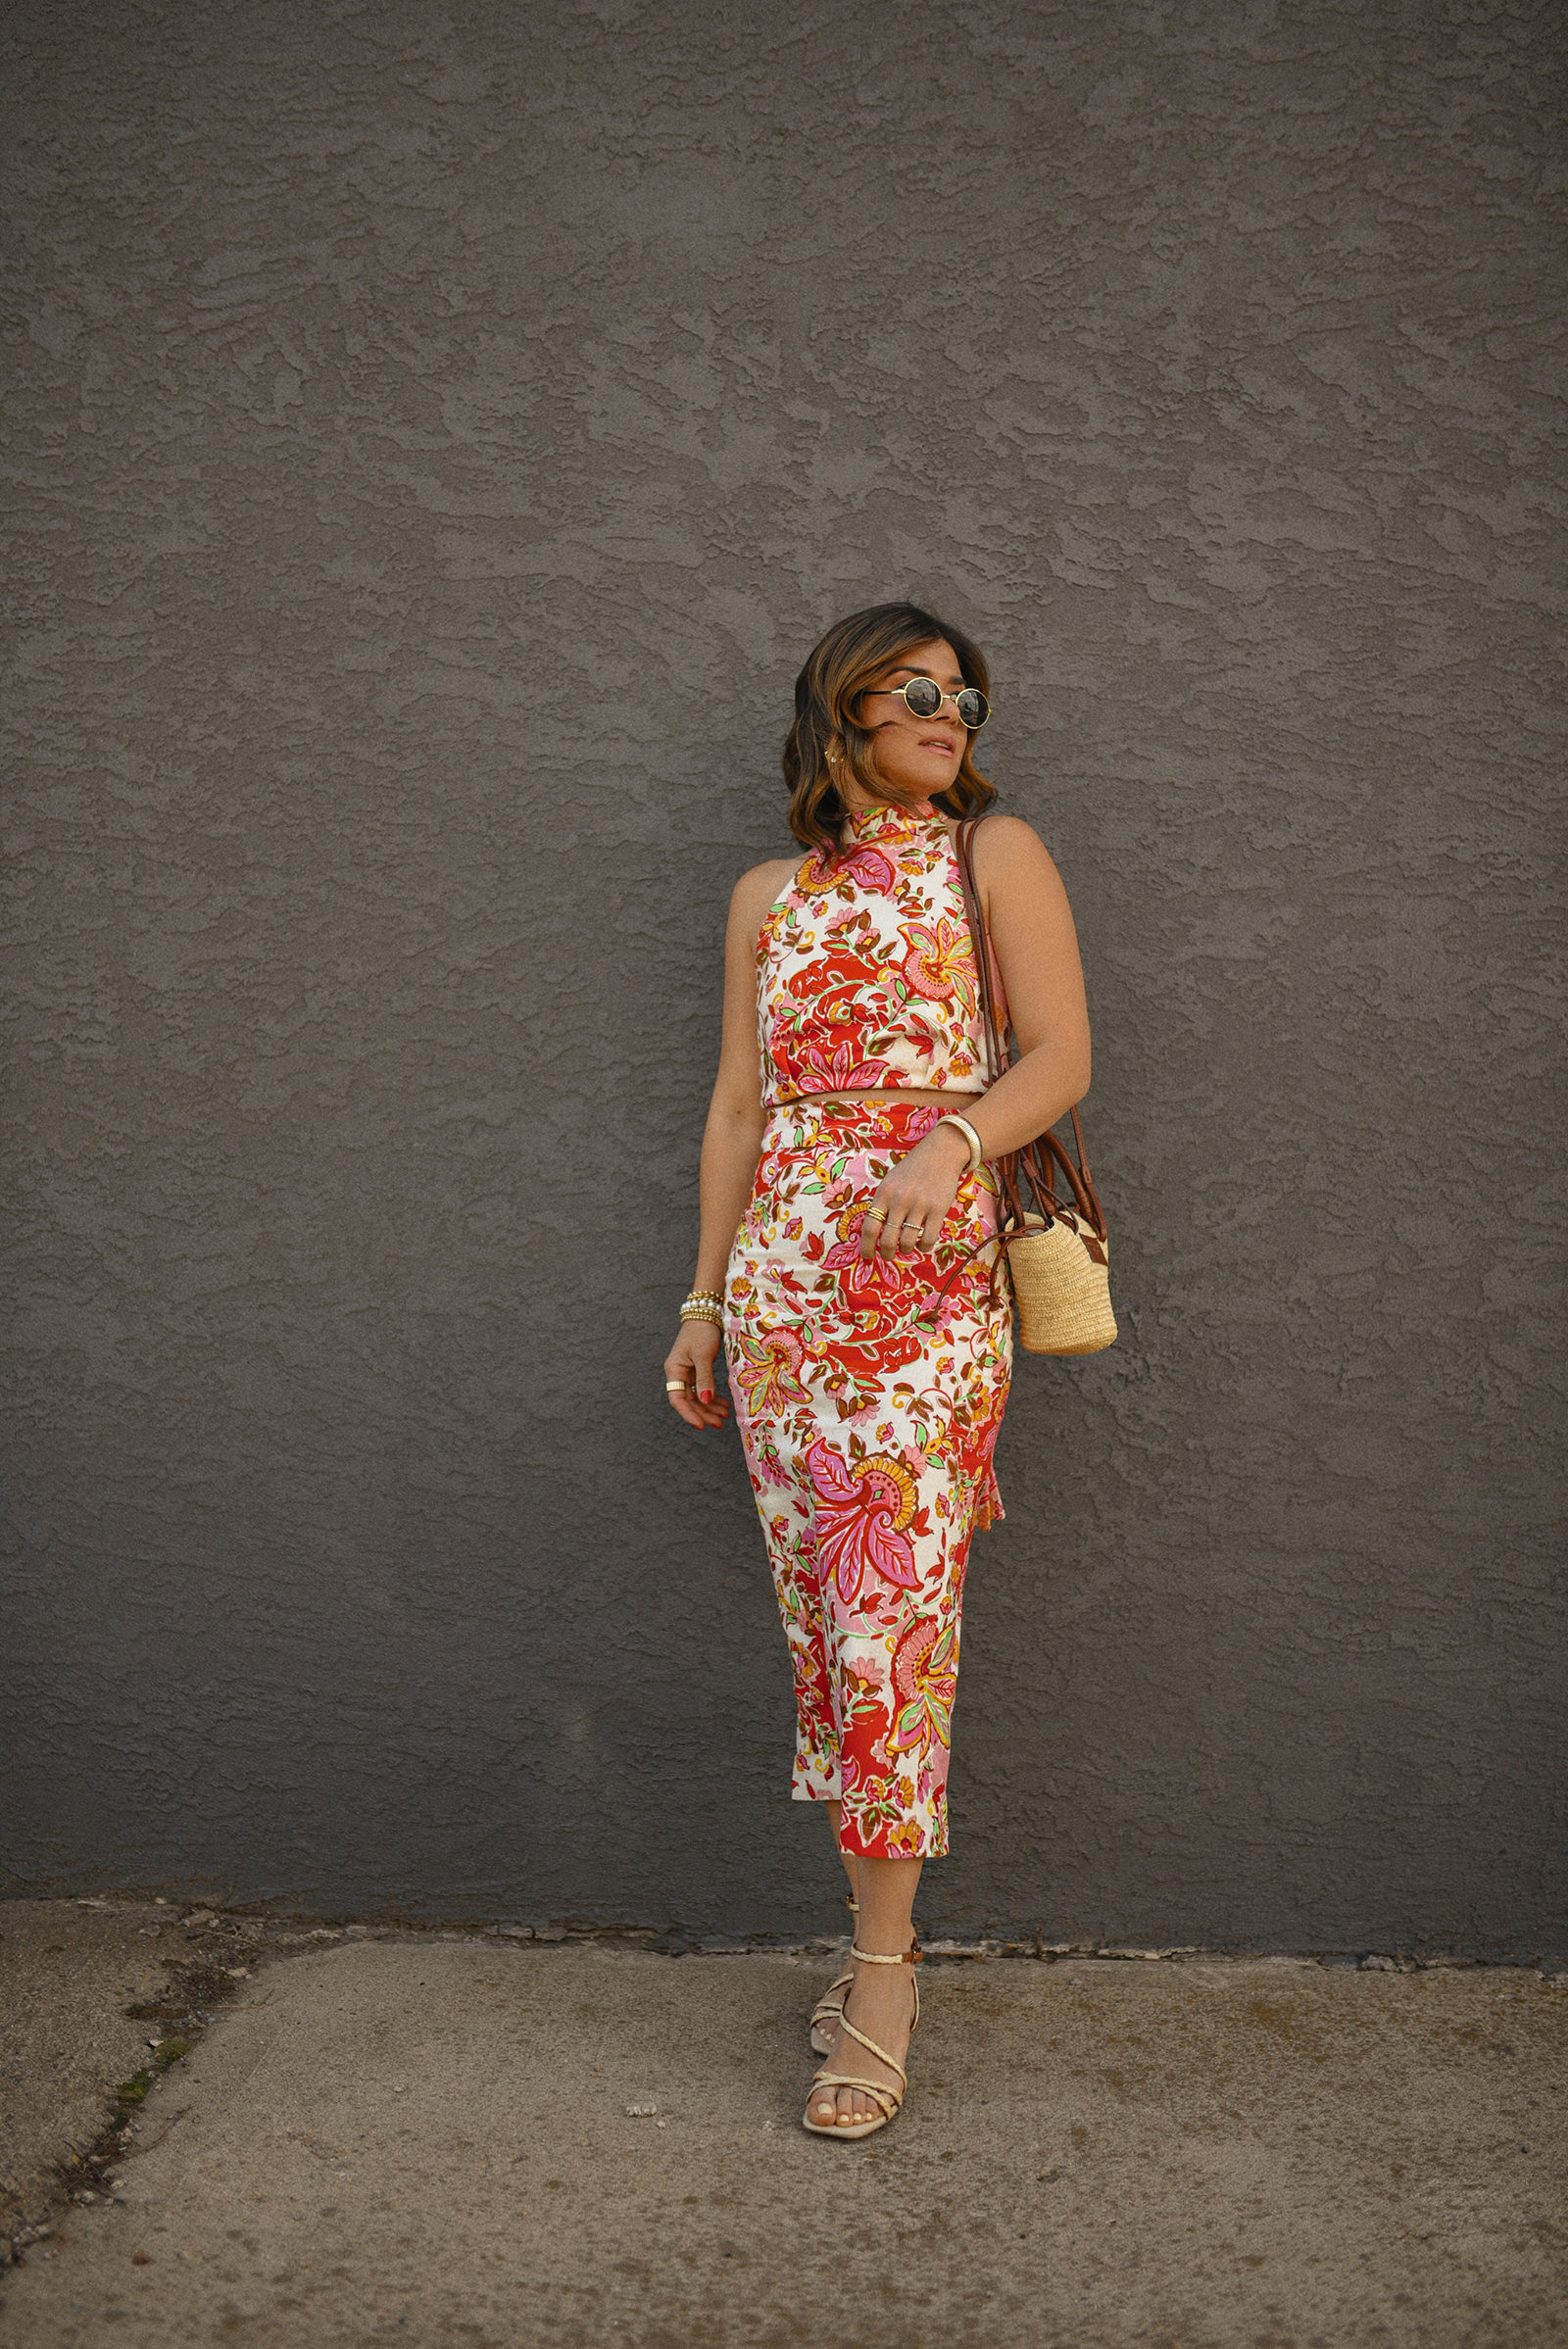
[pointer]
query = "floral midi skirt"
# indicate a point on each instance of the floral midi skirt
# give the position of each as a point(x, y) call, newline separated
point(868, 1421)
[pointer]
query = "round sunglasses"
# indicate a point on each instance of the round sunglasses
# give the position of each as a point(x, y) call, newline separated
point(923, 697)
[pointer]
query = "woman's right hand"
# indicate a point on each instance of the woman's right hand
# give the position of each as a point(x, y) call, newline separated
point(691, 1359)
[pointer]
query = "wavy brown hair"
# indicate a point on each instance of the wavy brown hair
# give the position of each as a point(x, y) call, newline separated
point(850, 659)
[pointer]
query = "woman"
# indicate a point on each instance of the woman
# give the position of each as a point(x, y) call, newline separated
point(838, 1193)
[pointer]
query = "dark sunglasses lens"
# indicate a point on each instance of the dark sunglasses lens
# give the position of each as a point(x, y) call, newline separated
point(974, 708)
point(923, 696)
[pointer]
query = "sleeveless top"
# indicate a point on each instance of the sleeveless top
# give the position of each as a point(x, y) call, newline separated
point(865, 977)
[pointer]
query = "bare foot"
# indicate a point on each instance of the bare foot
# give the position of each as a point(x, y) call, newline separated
point(882, 2005)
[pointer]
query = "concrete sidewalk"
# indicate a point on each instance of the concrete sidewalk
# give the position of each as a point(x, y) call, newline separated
point(424, 2140)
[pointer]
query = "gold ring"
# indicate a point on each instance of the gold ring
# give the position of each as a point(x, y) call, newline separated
point(676, 1387)
point(876, 1215)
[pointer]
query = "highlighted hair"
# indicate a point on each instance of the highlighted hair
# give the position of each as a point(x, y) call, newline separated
point(852, 655)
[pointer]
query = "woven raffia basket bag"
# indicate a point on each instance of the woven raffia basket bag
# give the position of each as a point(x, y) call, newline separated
point(1058, 1249)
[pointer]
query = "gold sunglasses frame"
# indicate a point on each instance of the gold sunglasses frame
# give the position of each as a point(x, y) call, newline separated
point(900, 693)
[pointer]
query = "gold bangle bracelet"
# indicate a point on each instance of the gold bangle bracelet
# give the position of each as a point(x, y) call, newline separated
point(976, 1149)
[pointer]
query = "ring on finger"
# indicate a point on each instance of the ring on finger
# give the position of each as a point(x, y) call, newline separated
point(676, 1387)
point(876, 1215)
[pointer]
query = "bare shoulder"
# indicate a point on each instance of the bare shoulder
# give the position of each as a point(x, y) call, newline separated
point(772, 876)
point(1003, 840)
point(756, 891)
point(1006, 849)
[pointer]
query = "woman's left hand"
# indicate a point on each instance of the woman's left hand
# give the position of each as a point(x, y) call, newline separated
point(906, 1218)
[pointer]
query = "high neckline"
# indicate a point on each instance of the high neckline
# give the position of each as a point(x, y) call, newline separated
point(870, 823)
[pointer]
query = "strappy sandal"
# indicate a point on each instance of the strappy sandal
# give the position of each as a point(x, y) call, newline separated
point(890, 2099)
point(828, 2012)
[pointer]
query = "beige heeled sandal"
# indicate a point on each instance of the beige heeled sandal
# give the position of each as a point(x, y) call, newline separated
point(828, 2012)
point(890, 2099)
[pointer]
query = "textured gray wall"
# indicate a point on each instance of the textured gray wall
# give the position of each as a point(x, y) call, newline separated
point(377, 369)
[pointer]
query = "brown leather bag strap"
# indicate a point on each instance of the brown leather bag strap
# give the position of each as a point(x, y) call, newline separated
point(980, 945)
point(1085, 1198)
point(1008, 1167)
point(1036, 1160)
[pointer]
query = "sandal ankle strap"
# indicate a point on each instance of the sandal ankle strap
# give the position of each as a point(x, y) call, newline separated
point(873, 1957)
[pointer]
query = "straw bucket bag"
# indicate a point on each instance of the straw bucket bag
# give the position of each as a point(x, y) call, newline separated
point(1056, 1246)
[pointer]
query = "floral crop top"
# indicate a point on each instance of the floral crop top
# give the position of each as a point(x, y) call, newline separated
point(865, 977)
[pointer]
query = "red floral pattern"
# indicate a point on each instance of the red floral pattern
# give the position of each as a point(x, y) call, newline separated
point(869, 1435)
point(868, 1420)
point(865, 972)
point(925, 1680)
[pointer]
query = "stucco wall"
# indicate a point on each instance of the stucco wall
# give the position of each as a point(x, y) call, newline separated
point(441, 432)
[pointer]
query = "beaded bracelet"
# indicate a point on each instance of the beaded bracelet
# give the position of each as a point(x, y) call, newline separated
point(704, 1304)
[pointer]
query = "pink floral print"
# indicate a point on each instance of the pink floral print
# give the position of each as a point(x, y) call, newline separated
point(862, 1512)
point(868, 1424)
point(866, 975)
point(868, 1415)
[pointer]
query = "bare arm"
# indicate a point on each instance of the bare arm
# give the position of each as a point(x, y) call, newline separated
point(1031, 925)
point(732, 1140)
